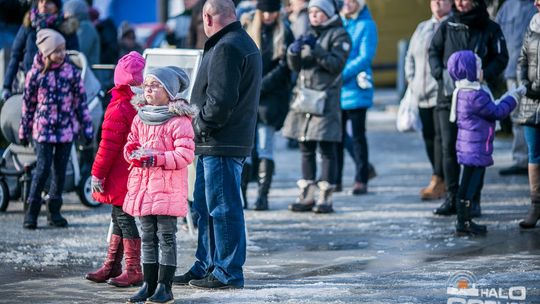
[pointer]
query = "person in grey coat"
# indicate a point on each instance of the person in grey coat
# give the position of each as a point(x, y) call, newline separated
point(87, 34)
point(319, 57)
point(423, 88)
point(514, 17)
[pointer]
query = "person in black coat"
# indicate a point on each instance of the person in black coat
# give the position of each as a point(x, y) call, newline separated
point(469, 28)
point(272, 36)
point(44, 14)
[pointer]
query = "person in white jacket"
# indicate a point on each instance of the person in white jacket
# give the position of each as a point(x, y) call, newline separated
point(423, 87)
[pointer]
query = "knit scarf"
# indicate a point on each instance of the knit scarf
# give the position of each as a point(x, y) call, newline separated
point(155, 115)
point(41, 21)
point(478, 17)
point(462, 84)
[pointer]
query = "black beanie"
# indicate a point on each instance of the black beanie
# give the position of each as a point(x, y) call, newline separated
point(269, 5)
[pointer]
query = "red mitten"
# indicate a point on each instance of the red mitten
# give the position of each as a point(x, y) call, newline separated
point(146, 161)
point(132, 147)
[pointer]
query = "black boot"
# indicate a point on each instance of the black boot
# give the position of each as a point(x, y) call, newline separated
point(32, 213)
point(244, 181)
point(465, 226)
point(184, 279)
point(306, 199)
point(163, 293)
point(150, 274)
point(266, 171)
point(54, 218)
point(449, 205)
point(324, 203)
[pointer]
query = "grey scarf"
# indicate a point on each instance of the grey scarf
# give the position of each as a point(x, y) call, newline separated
point(155, 115)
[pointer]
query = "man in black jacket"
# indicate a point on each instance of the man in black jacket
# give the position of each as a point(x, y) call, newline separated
point(226, 91)
point(469, 28)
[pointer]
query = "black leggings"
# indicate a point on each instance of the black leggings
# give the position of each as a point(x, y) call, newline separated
point(359, 145)
point(309, 162)
point(449, 137)
point(432, 139)
point(57, 155)
point(472, 181)
point(124, 224)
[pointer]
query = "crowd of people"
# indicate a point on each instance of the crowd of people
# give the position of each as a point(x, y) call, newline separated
point(306, 74)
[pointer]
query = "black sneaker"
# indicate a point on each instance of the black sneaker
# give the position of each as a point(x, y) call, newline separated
point(211, 282)
point(514, 170)
point(184, 279)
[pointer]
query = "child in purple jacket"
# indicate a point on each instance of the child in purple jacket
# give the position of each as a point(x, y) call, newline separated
point(54, 111)
point(476, 112)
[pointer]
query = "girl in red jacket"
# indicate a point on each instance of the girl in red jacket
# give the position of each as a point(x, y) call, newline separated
point(110, 174)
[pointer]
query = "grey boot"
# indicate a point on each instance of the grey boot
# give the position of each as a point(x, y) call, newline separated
point(306, 199)
point(54, 218)
point(324, 203)
point(266, 171)
point(534, 210)
point(465, 225)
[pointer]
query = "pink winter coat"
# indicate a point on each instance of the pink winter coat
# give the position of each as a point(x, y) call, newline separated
point(161, 190)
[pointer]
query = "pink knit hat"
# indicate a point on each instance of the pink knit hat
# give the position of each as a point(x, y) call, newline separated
point(48, 40)
point(129, 70)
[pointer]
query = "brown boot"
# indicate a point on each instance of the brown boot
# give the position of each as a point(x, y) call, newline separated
point(112, 266)
point(132, 275)
point(534, 211)
point(435, 189)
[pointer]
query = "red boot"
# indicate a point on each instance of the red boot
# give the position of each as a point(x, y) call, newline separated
point(112, 266)
point(132, 274)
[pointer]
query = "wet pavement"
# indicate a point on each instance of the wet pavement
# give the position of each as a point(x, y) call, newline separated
point(383, 247)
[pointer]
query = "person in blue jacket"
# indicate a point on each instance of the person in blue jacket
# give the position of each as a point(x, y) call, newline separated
point(357, 90)
point(43, 14)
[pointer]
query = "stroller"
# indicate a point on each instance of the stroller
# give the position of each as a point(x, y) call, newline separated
point(17, 162)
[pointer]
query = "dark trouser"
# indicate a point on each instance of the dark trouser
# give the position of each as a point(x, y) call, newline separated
point(448, 138)
point(309, 162)
point(124, 224)
point(49, 154)
point(472, 181)
point(359, 144)
point(158, 235)
point(432, 139)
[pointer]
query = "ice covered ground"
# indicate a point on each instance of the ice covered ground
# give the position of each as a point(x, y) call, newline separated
point(384, 247)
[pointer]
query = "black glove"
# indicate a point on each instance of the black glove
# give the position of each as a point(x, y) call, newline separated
point(531, 93)
point(310, 40)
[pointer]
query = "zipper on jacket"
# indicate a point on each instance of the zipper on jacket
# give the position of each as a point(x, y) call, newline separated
point(489, 139)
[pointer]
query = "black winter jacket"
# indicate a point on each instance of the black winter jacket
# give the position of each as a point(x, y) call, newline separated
point(226, 91)
point(483, 38)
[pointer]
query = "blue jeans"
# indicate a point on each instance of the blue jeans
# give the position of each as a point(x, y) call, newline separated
point(532, 137)
point(221, 248)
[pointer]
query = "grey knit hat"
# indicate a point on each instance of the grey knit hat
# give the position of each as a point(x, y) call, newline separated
point(174, 80)
point(327, 6)
point(77, 8)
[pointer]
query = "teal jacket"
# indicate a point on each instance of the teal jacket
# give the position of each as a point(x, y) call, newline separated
point(363, 33)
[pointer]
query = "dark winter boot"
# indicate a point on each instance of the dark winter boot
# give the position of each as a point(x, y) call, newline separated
point(266, 171)
point(54, 218)
point(534, 210)
point(324, 203)
point(112, 266)
point(244, 181)
point(448, 207)
point(150, 273)
point(132, 275)
point(32, 214)
point(306, 199)
point(184, 279)
point(163, 293)
point(465, 226)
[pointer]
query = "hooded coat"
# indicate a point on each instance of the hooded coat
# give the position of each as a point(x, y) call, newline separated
point(161, 190)
point(474, 31)
point(476, 112)
point(320, 68)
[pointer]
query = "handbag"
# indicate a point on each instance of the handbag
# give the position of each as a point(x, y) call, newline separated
point(527, 112)
point(310, 101)
point(408, 117)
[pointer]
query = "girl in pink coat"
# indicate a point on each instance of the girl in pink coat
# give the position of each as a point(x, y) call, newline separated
point(159, 149)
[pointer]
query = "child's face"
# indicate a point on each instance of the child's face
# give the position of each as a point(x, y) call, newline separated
point(59, 54)
point(316, 16)
point(154, 93)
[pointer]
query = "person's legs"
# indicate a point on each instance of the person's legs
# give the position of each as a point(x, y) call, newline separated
point(306, 200)
point(360, 145)
point(150, 256)
point(428, 134)
point(223, 197)
point(450, 166)
point(166, 233)
point(54, 204)
point(432, 141)
point(309, 162)
point(328, 176)
point(532, 137)
point(340, 150)
point(265, 150)
point(40, 174)
point(132, 274)
point(472, 179)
